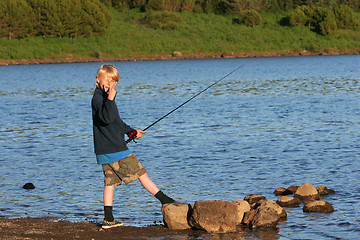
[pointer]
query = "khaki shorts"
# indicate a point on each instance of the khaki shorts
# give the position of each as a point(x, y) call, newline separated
point(126, 170)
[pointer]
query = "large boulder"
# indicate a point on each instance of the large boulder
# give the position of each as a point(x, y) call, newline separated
point(307, 191)
point(286, 201)
point(242, 207)
point(176, 215)
point(214, 216)
point(254, 198)
point(268, 203)
point(322, 190)
point(318, 206)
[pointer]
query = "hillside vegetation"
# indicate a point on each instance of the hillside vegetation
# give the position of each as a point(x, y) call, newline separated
point(136, 32)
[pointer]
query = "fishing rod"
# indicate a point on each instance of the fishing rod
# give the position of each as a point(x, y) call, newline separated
point(132, 138)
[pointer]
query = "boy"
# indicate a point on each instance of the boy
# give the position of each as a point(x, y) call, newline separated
point(117, 161)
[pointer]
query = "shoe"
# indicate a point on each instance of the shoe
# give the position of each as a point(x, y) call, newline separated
point(107, 224)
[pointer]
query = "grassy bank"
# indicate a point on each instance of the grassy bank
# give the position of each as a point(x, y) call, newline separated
point(196, 34)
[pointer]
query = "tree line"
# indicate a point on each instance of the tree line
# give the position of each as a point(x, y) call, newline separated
point(52, 18)
point(324, 20)
point(226, 6)
point(73, 18)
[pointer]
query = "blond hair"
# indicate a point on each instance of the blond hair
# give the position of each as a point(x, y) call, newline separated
point(110, 70)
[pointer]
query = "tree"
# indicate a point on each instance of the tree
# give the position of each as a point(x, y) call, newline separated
point(250, 18)
point(17, 19)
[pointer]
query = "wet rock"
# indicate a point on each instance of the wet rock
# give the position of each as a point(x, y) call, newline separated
point(322, 190)
point(306, 201)
point(307, 191)
point(28, 186)
point(265, 217)
point(262, 217)
point(293, 188)
point(248, 217)
point(176, 215)
point(254, 198)
point(268, 203)
point(286, 201)
point(214, 216)
point(282, 192)
point(318, 206)
point(242, 207)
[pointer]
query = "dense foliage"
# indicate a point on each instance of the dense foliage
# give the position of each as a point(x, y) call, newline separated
point(324, 20)
point(52, 18)
point(226, 6)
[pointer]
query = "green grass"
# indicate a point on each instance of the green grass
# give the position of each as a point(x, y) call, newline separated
point(196, 33)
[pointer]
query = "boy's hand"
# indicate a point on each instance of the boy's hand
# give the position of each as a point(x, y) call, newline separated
point(139, 133)
point(112, 91)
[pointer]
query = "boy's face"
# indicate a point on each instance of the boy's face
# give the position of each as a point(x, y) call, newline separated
point(105, 82)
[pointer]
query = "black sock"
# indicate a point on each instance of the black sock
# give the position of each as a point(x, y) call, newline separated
point(108, 213)
point(163, 198)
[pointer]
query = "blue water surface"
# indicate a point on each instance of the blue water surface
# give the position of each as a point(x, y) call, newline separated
point(273, 123)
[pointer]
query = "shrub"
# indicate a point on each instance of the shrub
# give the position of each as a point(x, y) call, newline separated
point(161, 20)
point(249, 18)
point(327, 24)
point(298, 17)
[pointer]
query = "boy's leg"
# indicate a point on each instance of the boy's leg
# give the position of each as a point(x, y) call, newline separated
point(109, 195)
point(149, 185)
point(108, 202)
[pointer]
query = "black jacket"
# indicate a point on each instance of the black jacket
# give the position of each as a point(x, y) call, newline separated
point(108, 128)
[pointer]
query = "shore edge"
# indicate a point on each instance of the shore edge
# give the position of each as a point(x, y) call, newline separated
point(178, 57)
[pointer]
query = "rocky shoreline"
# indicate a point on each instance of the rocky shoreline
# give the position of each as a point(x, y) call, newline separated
point(180, 55)
point(213, 219)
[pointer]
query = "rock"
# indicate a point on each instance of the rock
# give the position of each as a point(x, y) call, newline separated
point(286, 201)
point(242, 207)
point(228, 55)
point(318, 206)
point(268, 203)
point(282, 192)
point(214, 216)
point(254, 198)
point(322, 190)
point(177, 54)
point(293, 188)
point(307, 191)
point(176, 215)
point(248, 217)
point(306, 201)
point(28, 186)
point(264, 217)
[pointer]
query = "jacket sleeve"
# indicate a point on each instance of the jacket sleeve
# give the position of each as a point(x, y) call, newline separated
point(126, 127)
point(106, 110)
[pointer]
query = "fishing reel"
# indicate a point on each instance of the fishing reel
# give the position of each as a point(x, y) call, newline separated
point(132, 135)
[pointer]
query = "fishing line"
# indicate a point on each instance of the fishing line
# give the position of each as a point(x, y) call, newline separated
point(130, 139)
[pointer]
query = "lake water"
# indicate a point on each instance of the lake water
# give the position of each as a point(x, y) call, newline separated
point(273, 123)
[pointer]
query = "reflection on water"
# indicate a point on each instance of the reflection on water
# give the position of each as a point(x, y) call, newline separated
point(274, 123)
